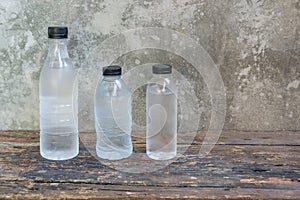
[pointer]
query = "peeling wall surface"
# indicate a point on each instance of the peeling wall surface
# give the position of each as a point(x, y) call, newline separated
point(255, 45)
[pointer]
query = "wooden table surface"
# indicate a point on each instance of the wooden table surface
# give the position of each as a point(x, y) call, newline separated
point(242, 165)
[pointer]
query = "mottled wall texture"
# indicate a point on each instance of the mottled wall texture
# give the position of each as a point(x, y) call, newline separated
point(254, 43)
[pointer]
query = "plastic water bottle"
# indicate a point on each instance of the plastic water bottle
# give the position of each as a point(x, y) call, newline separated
point(58, 100)
point(161, 102)
point(113, 116)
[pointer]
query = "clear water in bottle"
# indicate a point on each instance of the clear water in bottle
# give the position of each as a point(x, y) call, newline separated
point(113, 118)
point(161, 138)
point(58, 115)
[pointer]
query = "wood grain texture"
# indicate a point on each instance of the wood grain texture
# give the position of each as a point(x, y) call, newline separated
point(242, 165)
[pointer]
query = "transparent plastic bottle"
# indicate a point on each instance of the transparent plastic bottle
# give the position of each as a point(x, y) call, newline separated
point(161, 103)
point(58, 100)
point(113, 123)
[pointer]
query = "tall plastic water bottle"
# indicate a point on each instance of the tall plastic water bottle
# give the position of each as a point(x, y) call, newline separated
point(58, 100)
point(113, 116)
point(161, 102)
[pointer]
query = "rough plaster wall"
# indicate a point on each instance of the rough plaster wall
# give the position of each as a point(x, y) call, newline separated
point(255, 44)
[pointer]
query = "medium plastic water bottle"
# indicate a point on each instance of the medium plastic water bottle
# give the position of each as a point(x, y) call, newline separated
point(113, 116)
point(161, 102)
point(58, 100)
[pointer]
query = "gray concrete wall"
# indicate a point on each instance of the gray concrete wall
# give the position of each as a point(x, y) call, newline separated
point(254, 43)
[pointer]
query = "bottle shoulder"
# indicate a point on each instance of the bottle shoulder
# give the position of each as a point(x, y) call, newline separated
point(112, 88)
point(162, 86)
point(58, 63)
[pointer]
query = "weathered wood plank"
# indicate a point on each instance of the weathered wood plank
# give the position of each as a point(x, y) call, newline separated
point(33, 190)
point(236, 168)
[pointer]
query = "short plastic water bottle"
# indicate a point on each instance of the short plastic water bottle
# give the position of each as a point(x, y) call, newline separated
point(58, 100)
point(161, 102)
point(113, 116)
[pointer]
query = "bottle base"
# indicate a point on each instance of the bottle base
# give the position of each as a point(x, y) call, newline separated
point(161, 155)
point(114, 155)
point(59, 146)
point(58, 156)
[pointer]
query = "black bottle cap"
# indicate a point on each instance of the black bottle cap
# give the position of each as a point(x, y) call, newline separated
point(161, 69)
point(112, 70)
point(56, 32)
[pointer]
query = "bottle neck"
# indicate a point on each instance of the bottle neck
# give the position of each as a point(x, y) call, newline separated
point(58, 48)
point(161, 76)
point(111, 78)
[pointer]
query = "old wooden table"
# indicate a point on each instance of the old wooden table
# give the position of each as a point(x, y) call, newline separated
point(243, 165)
